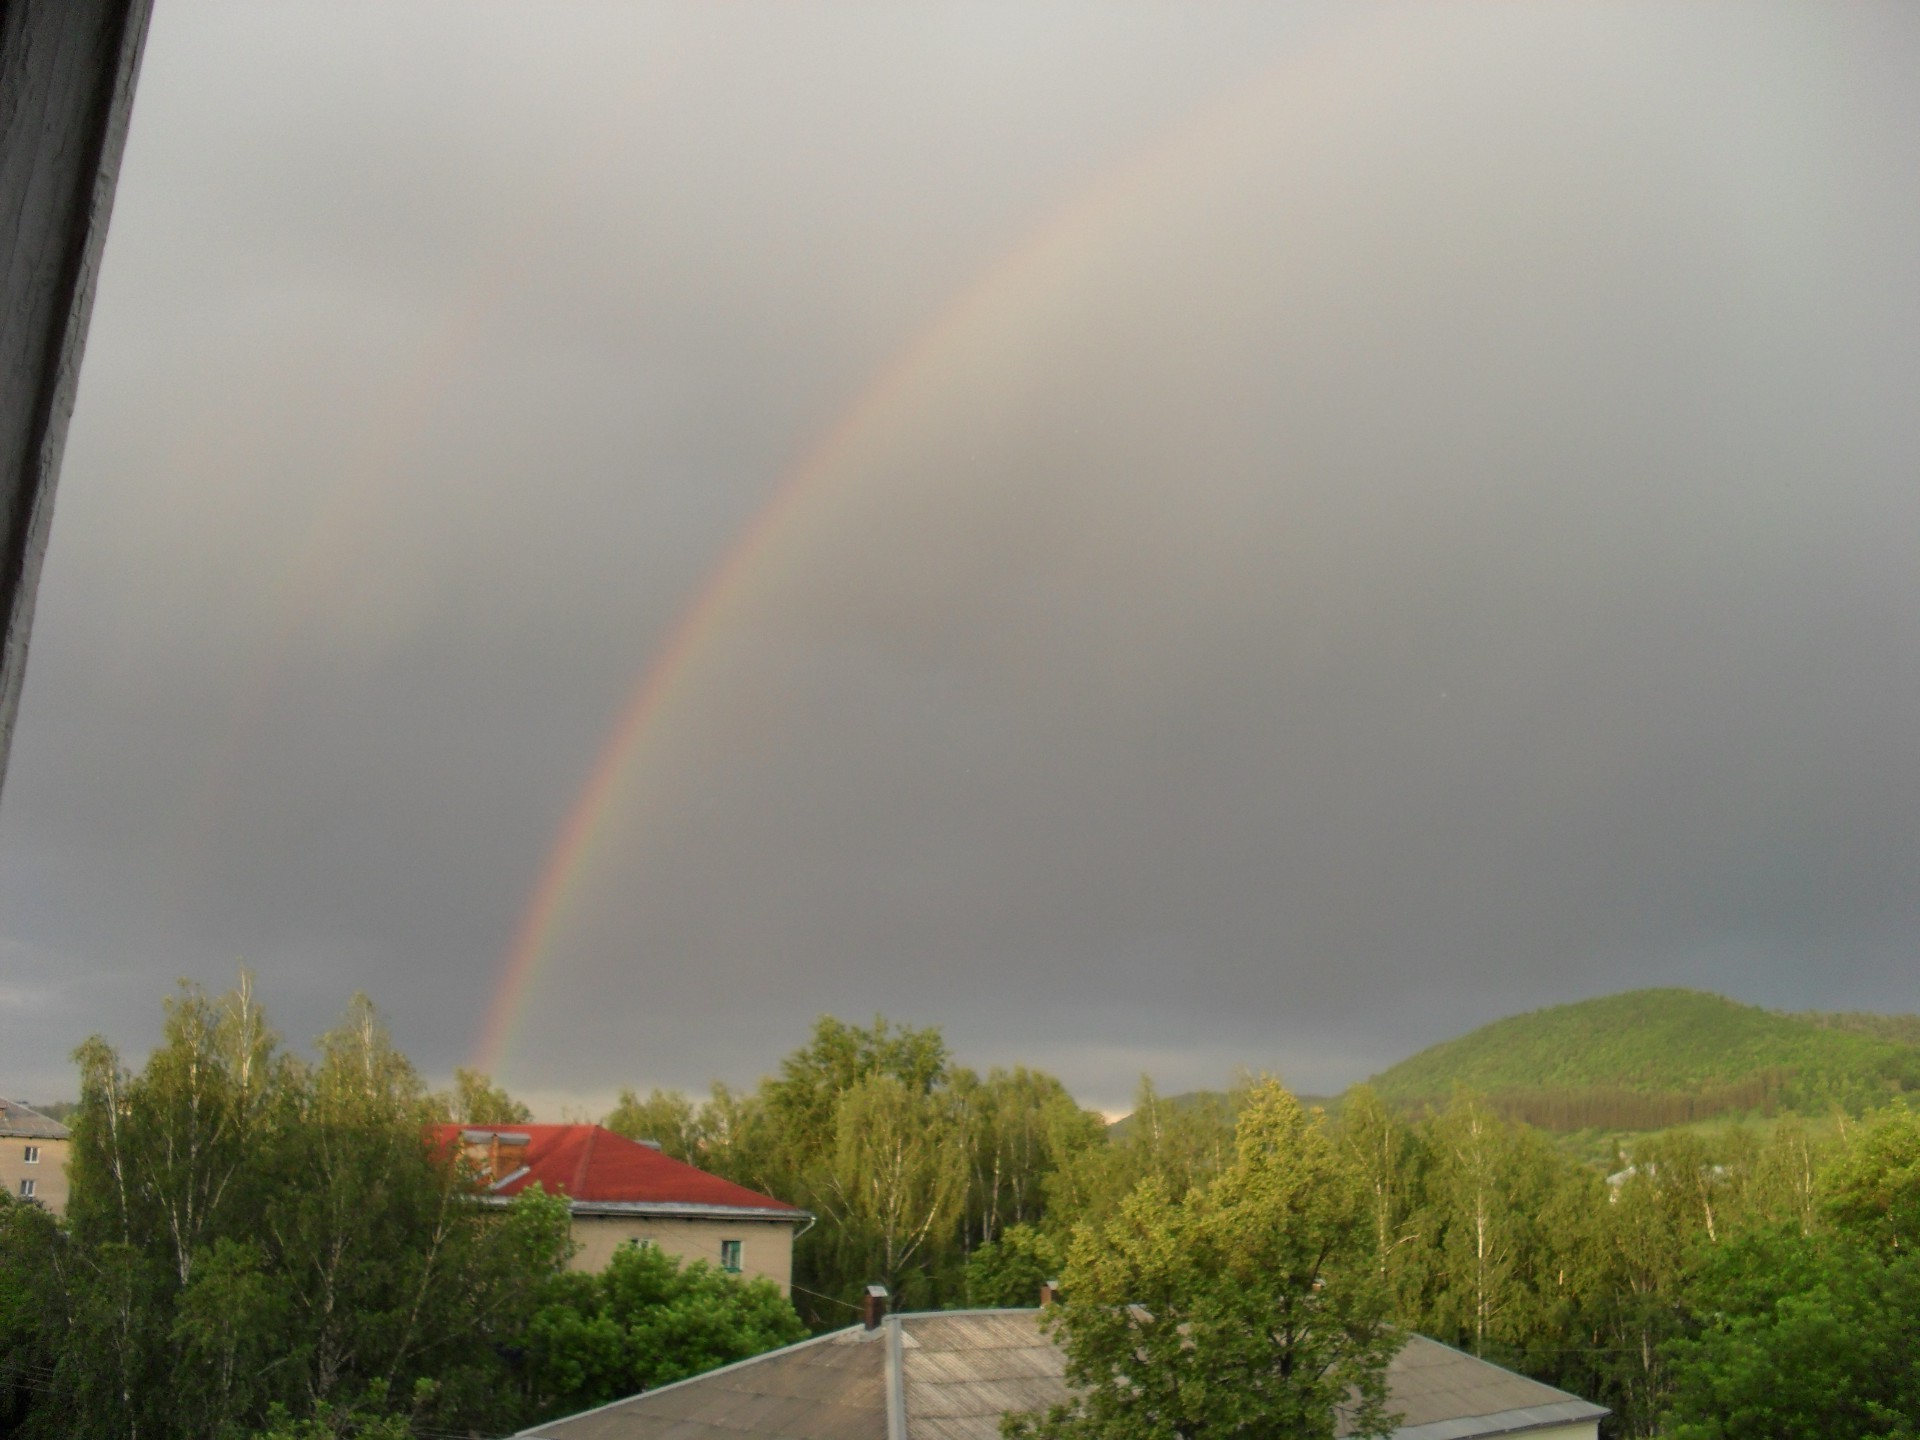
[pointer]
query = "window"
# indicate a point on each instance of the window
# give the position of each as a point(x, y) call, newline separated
point(33, 1154)
point(730, 1256)
point(639, 1242)
point(26, 1190)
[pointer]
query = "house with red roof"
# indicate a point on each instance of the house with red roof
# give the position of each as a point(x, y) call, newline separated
point(625, 1192)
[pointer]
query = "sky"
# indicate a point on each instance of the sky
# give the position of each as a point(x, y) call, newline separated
point(1152, 539)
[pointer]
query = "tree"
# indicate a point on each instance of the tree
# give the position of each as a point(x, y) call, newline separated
point(1180, 1144)
point(1009, 1270)
point(476, 1100)
point(31, 1307)
point(1017, 1127)
point(1873, 1185)
point(858, 1127)
point(667, 1118)
point(247, 1232)
point(1248, 1308)
point(909, 1162)
point(1384, 1154)
point(645, 1321)
point(801, 1103)
point(896, 1177)
point(1806, 1338)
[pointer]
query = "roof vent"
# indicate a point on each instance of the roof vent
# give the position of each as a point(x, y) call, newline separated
point(874, 1309)
point(1049, 1292)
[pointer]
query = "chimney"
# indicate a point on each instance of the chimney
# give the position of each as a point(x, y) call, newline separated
point(1049, 1292)
point(874, 1310)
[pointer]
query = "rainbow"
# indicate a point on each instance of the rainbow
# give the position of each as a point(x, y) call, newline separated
point(726, 590)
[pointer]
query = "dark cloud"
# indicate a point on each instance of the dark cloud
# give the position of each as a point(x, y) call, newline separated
point(1428, 531)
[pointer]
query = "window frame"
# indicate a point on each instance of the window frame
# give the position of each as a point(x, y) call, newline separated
point(32, 1155)
point(732, 1256)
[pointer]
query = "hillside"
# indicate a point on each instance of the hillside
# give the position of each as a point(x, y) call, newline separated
point(1902, 1029)
point(1651, 1058)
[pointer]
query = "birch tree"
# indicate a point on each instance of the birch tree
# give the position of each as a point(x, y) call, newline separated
point(1248, 1308)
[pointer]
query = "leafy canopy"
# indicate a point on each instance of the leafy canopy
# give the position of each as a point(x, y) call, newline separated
point(646, 1321)
point(1248, 1308)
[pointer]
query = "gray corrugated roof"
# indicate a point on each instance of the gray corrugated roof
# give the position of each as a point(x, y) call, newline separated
point(963, 1370)
point(951, 1375)
point(829, 1388)
point(1433, 1385)
point(23, 1121)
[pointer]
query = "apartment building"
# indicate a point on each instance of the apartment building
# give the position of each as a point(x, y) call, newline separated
point(625, 1192)
point(33, 1156)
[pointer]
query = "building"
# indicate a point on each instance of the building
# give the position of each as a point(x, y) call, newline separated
point(951, 1375)
point(33, 1156)
point(624, 1192)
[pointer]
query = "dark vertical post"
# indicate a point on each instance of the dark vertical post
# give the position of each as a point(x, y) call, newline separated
point(874, 1308)
point(67, 69)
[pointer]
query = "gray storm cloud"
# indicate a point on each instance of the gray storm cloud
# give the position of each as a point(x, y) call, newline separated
point(1413, 518)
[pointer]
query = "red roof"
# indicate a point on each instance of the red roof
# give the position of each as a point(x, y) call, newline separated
point(590, 1164)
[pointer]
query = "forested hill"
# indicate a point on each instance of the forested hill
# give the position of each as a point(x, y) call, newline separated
point(1647, 1059)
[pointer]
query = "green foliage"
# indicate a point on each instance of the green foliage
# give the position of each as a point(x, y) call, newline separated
point(1873, 1186)
point(1249, 1307)
point(1182, 1143)
point(252, 1241)
point(895, 1178)
point(1017, 1127)
point(667, 1118)
point(910, 1163)
point(1010, 1270)
point(1648, 1059)
point(645, 1321)
point(802, 1103)
point(1805, 1337)
point(30, 1296)
point(261, 1245)
point(1902, 1029)
point(476, 1100)
point(375, 1417)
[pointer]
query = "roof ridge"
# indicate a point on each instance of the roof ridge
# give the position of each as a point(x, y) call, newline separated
point(896, 1376)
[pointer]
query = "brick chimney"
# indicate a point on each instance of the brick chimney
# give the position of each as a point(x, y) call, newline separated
point(1049, 1292)
point(874, 1309)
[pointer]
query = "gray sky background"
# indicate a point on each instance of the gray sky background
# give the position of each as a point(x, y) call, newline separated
point(1386, 518)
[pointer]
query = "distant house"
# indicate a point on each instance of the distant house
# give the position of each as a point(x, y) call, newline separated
point(951, 1375)
point(622, 1192)
point(33, 1156)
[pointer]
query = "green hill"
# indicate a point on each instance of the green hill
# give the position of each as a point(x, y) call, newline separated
point(1651, 1058)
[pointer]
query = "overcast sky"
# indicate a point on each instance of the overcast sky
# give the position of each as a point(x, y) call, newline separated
point(1164, 538)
